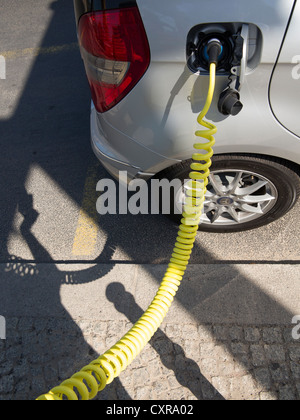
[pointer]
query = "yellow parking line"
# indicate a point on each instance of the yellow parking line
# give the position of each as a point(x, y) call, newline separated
point(39, 51)
point(87, 227)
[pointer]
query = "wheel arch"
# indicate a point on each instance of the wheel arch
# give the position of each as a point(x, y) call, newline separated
point(285, 162)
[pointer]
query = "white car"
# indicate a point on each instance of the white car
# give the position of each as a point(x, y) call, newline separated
point(146, 63)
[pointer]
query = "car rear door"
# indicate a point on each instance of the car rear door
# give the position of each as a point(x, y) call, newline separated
point(285, 83)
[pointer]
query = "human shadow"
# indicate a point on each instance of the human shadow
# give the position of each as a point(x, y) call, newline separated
point(48, 345)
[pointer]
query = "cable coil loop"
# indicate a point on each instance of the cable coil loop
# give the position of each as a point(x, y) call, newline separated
point(101, 372)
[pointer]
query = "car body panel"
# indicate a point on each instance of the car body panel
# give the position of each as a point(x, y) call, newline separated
point(112, 148)
point(167, 23)
point(285, 85)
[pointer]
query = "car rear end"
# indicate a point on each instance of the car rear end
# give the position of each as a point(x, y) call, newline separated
point(146, 98)
point(116, 54)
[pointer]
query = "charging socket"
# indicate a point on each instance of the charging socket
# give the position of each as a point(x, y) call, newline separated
point(238, 54)
point(241, 43)
point(198, 59)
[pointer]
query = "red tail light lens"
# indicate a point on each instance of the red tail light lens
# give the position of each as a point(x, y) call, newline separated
point(116, 54)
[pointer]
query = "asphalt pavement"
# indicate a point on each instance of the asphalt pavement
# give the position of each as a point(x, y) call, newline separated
point(72, 281)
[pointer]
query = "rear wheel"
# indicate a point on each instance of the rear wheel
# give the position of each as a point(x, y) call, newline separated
point(244, 192)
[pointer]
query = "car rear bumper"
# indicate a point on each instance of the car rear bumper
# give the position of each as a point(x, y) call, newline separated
point(118, 152)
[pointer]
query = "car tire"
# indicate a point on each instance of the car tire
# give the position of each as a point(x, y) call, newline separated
point(280, 186)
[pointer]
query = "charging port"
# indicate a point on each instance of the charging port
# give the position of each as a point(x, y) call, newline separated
point(197, 52)
point(242, 48)
point(228, 46)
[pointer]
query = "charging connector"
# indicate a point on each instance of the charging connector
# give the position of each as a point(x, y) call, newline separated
point(222, 45)
point(214, 51)
point(229, 102)
point(212, 47)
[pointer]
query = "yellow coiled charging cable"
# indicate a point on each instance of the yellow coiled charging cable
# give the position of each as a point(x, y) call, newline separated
point(101, 372)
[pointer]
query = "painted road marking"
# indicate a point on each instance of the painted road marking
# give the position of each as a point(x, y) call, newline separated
point(87, 227)
point(39, 51)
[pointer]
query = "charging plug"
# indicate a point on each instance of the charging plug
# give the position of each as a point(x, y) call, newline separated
point(214, 51)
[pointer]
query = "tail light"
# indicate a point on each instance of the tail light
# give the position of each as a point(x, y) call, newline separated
point(116, 54)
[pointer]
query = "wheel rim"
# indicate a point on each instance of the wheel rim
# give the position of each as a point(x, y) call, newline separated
point(235, 196)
